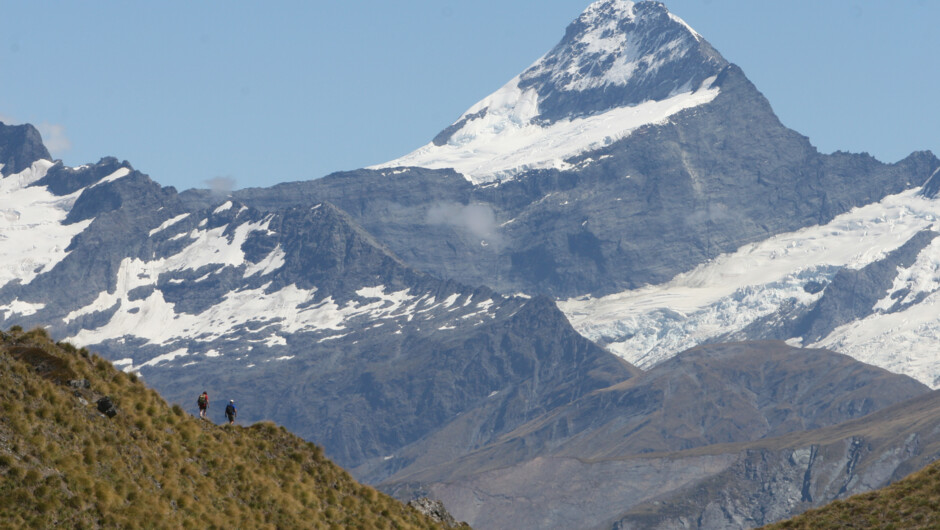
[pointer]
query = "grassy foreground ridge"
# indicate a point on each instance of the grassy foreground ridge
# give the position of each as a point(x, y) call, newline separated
point(63, 463)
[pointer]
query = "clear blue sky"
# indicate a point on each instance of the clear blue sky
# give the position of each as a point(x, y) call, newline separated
point(267, 92)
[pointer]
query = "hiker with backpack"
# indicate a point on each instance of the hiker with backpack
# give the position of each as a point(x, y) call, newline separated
point(203, 404)
point(231, 412)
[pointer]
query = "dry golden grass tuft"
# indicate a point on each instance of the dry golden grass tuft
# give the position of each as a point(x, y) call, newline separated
point(63, 463)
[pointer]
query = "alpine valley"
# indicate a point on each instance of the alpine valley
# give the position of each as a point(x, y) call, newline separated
point(616, 292)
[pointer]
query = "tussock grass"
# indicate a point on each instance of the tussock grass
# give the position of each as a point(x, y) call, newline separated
point(64, 464)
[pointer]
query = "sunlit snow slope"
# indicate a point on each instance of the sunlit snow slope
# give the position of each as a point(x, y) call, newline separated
point(509, 140)
point(784, 274)
point(620, 66)
point(32, 236)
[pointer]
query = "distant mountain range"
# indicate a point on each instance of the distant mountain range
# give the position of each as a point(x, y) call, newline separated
point(498, 318)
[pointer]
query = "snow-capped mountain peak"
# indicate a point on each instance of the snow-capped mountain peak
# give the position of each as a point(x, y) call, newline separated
point(621, 65)
point(633, 47)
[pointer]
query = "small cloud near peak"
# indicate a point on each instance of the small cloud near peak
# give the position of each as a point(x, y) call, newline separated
point(54, 138)
point(221, 186)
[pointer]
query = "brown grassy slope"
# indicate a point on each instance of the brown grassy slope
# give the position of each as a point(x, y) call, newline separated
point(63, 463)
point(911, 503)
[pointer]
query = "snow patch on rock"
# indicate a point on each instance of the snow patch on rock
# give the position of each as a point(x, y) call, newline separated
point(32, 237)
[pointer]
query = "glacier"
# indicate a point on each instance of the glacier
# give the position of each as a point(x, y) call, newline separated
point(650, 324)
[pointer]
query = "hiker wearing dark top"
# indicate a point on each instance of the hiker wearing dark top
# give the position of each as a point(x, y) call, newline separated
point(230, 412)
point(203, 404)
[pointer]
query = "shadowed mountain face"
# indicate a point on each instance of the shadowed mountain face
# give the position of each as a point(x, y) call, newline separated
point(639, 211)
point(774, 479)
point(713, 400)
point(719, 394)
point(20, 146)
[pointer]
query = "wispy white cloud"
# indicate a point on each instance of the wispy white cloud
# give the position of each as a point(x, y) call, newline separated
point(477, 219)
point(53, 134)
point(54, 137)
point(221, 186)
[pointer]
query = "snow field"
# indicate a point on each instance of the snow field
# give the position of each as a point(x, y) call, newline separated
point(506, 142)
point(32, 237)
point(652, 323)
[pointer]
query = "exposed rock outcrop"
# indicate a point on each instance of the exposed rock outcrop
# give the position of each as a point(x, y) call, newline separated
point(436, 511)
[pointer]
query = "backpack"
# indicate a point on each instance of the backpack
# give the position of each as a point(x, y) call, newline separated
point(202, 400)
point(230, 409)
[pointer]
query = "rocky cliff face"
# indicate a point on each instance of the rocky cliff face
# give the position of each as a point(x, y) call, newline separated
point(20, 146)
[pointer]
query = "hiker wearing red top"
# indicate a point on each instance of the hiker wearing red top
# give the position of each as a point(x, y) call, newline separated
point(203, 403)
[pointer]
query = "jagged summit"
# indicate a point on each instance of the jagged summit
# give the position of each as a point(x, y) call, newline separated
point(620, 65)
point(20, 146)
point(616, 54)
